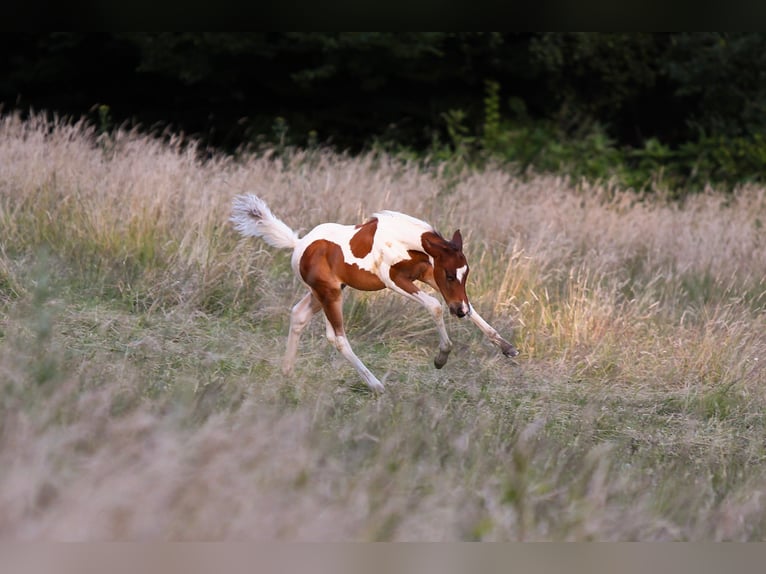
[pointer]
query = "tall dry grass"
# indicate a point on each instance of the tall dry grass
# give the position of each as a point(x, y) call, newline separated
point(140, 340)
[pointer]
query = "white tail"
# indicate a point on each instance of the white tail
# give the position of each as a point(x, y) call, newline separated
point(253, 218)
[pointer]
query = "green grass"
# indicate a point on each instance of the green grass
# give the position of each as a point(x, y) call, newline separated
point(140, 345)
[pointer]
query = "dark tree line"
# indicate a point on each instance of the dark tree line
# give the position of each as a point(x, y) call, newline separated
point(350, 89)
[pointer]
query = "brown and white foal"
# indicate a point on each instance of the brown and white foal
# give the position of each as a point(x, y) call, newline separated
point(390, 250)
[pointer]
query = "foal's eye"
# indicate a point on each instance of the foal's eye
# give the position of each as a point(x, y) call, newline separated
point(451, 277)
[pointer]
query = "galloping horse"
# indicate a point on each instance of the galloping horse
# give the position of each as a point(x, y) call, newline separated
point(390, 250)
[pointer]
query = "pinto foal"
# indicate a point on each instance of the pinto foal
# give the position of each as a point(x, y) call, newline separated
point(390, 250)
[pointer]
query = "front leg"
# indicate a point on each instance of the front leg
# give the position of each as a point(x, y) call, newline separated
point(437, 313)
point(507, 348)
point(401, 281)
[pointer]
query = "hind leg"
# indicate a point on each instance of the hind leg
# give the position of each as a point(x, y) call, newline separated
point(332, 304)
point(329, 330)
point(300, 316)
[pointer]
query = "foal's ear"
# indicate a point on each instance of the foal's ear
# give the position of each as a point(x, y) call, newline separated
point(433, 245)
point(457, 239)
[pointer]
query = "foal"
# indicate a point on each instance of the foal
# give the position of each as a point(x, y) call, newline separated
point(390, 250)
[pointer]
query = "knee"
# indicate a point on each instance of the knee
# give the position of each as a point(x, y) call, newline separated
point(436, 311)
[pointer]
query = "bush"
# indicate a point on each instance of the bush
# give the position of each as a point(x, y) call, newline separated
point(589, 152)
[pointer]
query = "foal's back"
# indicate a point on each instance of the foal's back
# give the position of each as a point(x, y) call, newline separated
point(387, 238)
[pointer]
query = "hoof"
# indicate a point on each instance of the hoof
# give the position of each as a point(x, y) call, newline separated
point(509, 350)
point(441, 359)
point(376, 388)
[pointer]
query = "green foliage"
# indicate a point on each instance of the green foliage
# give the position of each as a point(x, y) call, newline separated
point(491, 115)
point(595, 76)
point(669, 110)
point(104, 119)
point(591, 153)
point(459, 134)
point(718, 77)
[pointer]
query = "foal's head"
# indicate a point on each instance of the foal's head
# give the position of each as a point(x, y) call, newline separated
point(450, 270)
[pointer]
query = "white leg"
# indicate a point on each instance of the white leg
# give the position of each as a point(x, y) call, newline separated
point(507, 349)
point(437, 313)
point(434, 307)
point(301, 314)
point(329, 331)
point(333, 310)
point(342, 344)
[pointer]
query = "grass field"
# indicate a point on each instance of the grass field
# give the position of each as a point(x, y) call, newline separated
point(140, 344)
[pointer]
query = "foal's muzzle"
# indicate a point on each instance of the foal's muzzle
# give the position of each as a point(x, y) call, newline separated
point(460, 309)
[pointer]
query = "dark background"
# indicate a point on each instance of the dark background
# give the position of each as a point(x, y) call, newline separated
point(352, 90)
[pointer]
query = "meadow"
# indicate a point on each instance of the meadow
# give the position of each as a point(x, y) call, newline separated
point(141, 396)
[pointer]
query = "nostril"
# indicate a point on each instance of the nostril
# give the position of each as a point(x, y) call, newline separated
point(460, 310)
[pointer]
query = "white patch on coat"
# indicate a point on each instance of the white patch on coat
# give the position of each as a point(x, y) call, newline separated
point(460, 272)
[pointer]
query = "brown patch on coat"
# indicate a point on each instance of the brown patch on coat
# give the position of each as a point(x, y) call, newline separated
point(416, 268)
point(324, 269)
point(361, 242)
